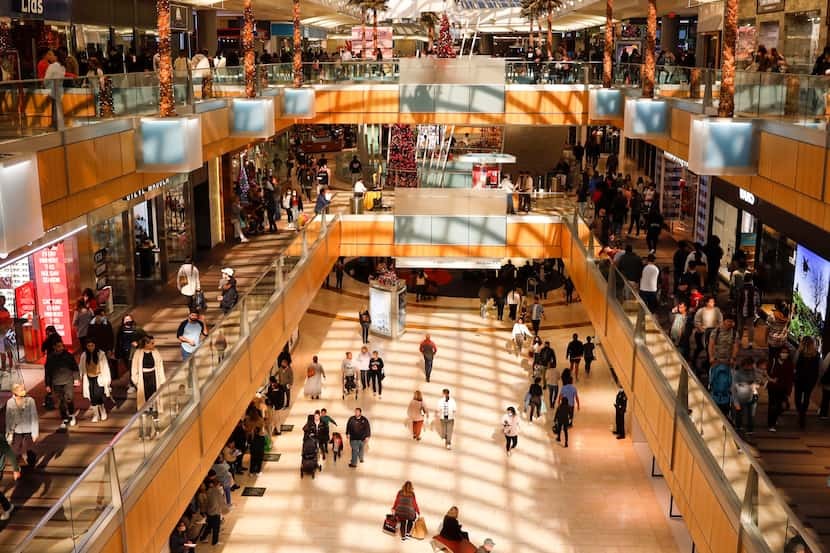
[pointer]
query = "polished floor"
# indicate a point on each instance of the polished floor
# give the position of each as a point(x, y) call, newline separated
point(594, 496)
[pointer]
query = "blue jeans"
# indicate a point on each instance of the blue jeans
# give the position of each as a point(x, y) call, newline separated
point(185, 354)
point(427, 367)
point(357, 450)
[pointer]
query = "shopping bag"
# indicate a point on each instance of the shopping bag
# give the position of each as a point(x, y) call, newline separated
point(419, 531)
point(390, 524)
point(268, 443)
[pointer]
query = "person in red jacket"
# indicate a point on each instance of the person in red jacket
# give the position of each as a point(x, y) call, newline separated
point(406, 509)
point(428, 349)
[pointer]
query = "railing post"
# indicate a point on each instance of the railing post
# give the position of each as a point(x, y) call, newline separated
point(194, 378)
point(590, 246)
point(304, 238)
point(57, 95)
point(278, 278)
point(640, 326)
point(244, 327)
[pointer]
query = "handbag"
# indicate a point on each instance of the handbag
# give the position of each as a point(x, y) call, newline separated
point(419, 530)
point(390, 524)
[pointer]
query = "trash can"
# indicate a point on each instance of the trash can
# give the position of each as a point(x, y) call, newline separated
point(357, 204)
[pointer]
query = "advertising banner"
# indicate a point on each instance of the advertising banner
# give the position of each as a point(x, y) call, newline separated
point(53, 294)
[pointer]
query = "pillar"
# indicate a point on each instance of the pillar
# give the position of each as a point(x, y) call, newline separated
point(206, 22)
point(669, 27)
point(485, 45)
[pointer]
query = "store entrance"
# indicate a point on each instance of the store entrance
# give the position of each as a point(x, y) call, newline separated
point(148, 260)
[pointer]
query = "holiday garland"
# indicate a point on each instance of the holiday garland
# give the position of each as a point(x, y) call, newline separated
point(167, 102)
point(402, 171)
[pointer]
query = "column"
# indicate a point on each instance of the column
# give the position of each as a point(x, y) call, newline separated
point(669, 27)
point(207, 28)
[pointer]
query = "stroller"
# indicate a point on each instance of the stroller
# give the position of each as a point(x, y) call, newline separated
point(309, 464)
point(349, 383)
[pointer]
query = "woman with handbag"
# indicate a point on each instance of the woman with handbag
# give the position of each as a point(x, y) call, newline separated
point(95, 379)
point(406, 509)
point(416, 412)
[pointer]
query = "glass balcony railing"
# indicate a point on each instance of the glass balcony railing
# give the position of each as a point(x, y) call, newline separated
point(95, 497)
point(36, 107)
point(763, 511)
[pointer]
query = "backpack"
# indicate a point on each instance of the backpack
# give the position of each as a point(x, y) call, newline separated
point(720, 384)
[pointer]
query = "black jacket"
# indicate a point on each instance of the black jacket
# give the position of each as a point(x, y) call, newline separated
point(358, 429)
point(60, 368)
point(102, 334)
point(631, 266)
point(621, 403)
point(451, 529)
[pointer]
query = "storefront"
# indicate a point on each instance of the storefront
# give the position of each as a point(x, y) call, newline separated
point(31, 26)
point(684, 197)
point(766, 235)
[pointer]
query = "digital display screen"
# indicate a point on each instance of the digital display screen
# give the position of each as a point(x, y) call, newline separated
point(810, 289)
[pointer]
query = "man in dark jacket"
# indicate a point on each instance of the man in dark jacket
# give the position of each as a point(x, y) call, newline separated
point(100, 332)
point(229, 296)
point(630, 265)
point(61, 372)
point(620, 405)
point(358, 431)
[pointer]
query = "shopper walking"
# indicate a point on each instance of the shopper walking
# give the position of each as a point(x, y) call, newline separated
point(315, 373)
point(574, 353)
point(514, 298)
point(620, 406)
point(365, 321)
point(406, 509)
point(376, 374)
point(363, 359)
point(779, 386)
point(339, 270)
point(552, 384)
point(275, 399)
point(562, 419)
point(358, 431)
point(534, 399)
point(215, 505)
point(100, 332)
point(61, 370)
point(190, 334)
point(649, 279)
point(744, 395)
point(723, 354)
point(187, 281)
point(570, 396)
point(95, 379)
point(510, 427)
point(428, 349)
point(148, 375)
point(416, 412)
point(537, 313)
point(446, 415)
point(807, 366)
point(22, 426)
point(285, 376)
point(126, 342)
point(520, 333)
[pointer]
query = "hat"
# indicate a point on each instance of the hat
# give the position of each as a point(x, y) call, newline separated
point(227, 271)
point(489, 542)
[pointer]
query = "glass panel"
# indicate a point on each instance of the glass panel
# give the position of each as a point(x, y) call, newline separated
point(91, 496)
point(552, 72)
point(26, 108)
point(130, 451)
point(56, 534)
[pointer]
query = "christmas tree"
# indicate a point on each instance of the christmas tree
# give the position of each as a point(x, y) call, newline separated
point(445, 48)
point(402, 171)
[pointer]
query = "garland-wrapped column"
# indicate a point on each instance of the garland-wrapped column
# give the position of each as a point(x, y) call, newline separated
point(608, 52)
point(298, 43)
point(248, 49)
point(651, 39)
point(167, 102)
point(726, 100)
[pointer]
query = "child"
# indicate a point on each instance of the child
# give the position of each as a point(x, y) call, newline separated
point(336, 445)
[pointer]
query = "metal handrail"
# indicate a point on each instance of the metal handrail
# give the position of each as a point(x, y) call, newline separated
point(150, 402)
point(806, 534)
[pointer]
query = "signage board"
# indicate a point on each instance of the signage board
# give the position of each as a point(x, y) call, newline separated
point(25, 301)
point(180, 17)
point(53, 10)
point(53, 294)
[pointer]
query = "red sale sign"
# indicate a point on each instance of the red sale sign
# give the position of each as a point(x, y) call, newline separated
point(53, 295)
point(24, 299)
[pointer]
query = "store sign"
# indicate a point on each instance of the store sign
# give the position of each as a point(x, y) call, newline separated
point(142, 191)
point(179, 17)
point(769, 6)
point(53, 294)
point(673, 158)
point(57, 10)
point(24, 300)
point(746, 196)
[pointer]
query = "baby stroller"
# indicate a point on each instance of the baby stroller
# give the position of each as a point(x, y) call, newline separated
point(309, 464)
point(349, 383)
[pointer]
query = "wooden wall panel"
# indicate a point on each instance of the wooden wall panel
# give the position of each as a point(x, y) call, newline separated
point(127, 152)
point(81, 157)
point(809, 170)
point(115, 543)
point(51, 165)
point(215, 125)
point(680, 125)
point(107, 158)
point(382, 101)
point(773, 150)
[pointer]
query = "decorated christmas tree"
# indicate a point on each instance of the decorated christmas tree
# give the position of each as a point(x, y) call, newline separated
point(445, 48)
point(402, 171)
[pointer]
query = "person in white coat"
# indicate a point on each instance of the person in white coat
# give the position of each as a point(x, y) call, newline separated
point(148, 375)
point(95, 376)
point(188, 279)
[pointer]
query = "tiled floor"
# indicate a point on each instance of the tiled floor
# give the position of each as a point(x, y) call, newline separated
point(592, 497)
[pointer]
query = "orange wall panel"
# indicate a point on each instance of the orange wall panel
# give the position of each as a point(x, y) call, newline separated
point(774, 149)
point(51, 165)
point(107, 158)
point(382, 101)
point(680, 125)
point(80, 156)
point(809, 170)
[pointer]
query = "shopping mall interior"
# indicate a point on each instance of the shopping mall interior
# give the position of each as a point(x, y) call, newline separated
point(467, 276)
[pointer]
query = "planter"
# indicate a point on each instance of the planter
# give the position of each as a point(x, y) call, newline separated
point(647, 118)
point(298, 103)
point(605, 103)
point(252, 117)
point(169, 144)
point(723, 146)
point(21, 215)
